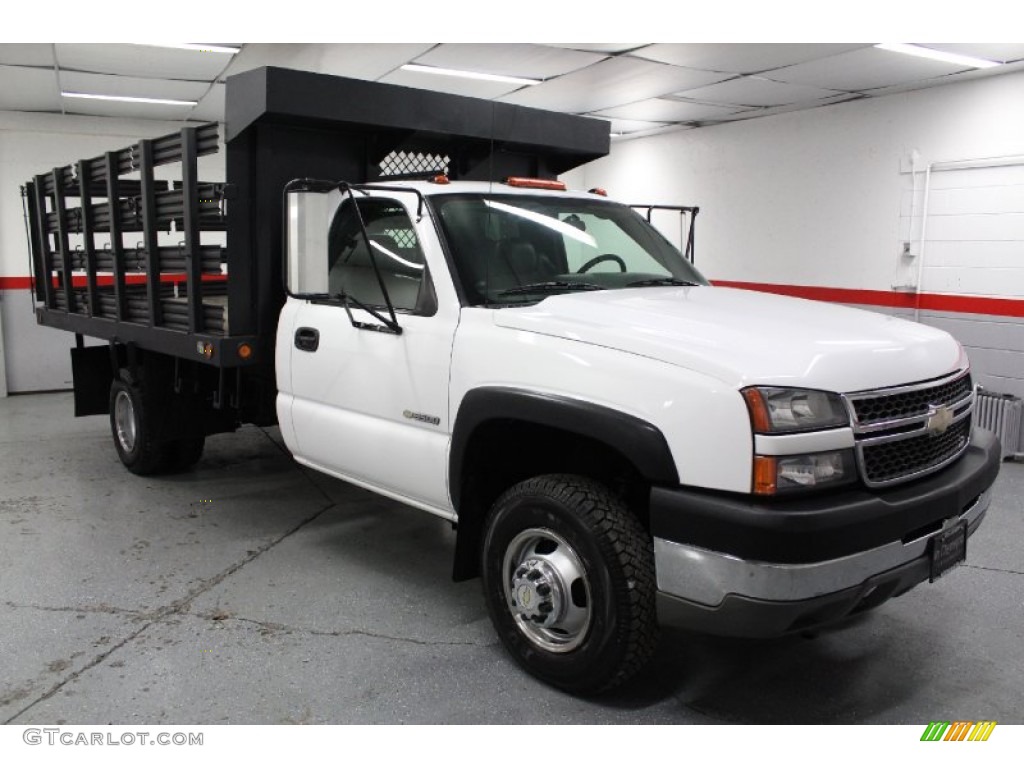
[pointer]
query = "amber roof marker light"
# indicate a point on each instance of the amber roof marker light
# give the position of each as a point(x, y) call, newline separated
point(528, 183)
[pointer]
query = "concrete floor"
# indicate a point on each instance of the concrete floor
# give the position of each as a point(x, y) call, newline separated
point(252, 591)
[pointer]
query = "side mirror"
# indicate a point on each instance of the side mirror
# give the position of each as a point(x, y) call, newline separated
point(307, 229)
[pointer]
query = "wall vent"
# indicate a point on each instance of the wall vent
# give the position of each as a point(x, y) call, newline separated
point(1002, 414)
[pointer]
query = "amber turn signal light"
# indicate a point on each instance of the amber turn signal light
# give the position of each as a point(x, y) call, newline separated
point(758, 410)
point(766, 475)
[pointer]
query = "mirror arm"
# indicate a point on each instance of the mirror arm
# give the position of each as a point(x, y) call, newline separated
point(386, 325)
point(391, 324)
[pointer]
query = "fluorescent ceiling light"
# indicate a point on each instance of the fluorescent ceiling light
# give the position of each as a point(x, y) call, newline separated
point(204, 47)
point(468, 74)
point(132, 99)
point(931, 53)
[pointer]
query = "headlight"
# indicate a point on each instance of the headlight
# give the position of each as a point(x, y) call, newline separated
point(776, 410)
point(779, 474)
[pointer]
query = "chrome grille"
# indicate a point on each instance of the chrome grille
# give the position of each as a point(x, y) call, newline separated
point(907, 432)
point(897, 459)
point(914, 402)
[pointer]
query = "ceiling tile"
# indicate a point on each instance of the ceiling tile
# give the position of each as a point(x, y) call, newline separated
point(27, 54)
point(668, 110)
point(865, 69)
point(610, 83)
point(769, 111)
point(669, 128)
point(124, 109)
point(741, 58)
point(600, 47)
point(1004, 52)
point(959, 77)
point(115, 85)
point(253, 55)
point(756, 92)
point(462, 86)
point(211, 106)
point(141, 60)
point(539, 62)
point(633, 126)
point(28, 89)
point(366, 61)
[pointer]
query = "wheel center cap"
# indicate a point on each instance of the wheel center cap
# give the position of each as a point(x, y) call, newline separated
point(524, 596)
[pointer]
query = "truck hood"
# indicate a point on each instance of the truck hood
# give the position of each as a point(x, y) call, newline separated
point(744, 337)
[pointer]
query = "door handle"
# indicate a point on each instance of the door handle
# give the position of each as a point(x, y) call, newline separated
point(307, 339)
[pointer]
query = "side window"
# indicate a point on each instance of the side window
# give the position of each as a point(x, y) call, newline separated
point(396, 250)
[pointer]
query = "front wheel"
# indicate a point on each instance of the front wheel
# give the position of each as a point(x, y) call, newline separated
point(568, 575)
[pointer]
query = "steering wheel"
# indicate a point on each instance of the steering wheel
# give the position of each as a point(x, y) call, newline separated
point(600, 260)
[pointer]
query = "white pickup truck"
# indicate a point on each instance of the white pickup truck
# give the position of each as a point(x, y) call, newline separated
point(620, 443)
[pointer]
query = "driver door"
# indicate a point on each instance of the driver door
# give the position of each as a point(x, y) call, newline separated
point(368, 406)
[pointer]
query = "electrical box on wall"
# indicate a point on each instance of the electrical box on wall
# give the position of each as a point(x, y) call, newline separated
point(905, 276)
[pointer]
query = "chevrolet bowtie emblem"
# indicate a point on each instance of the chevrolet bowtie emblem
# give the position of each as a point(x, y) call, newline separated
point(940, 417)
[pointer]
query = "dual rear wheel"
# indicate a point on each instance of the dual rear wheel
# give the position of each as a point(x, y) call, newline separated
point(134, 423)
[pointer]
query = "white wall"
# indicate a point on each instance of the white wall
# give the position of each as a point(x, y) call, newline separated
point(811, 197)
point(819, 198)
point(36, 357)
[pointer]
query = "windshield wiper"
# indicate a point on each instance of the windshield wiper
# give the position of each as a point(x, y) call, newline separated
point(552, 286)
point(659, 281)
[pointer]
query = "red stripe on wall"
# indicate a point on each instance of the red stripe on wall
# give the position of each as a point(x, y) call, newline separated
point(941, 302)
point(78, 281)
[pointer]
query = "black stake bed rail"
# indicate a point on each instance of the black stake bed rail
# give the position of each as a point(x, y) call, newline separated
point(193, 269)
point(100, 268)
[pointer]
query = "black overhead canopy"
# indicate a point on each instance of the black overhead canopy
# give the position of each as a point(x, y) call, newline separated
point(484, 139)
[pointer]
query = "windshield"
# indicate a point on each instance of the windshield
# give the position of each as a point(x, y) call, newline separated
point(515, 249)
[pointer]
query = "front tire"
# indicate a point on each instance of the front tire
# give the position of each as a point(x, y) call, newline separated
point(568, 575)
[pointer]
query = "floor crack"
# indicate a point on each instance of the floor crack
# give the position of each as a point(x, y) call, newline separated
point(272, 626)
point(101, 608)
point(180, 606)
point(997, 570)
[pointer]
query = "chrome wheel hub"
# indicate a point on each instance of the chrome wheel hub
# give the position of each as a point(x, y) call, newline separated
point(547, 590)
point(124, 421)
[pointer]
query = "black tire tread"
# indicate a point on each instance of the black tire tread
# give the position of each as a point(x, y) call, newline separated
point(152, 455)
point(183, 453)
point(625, 545)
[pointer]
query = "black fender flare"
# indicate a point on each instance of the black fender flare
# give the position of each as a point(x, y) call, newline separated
point(639, 441)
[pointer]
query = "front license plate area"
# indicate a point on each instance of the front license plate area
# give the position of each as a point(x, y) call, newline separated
point(948, 549)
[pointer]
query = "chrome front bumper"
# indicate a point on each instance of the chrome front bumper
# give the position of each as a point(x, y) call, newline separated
point(737, 565)
point(707, 578)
